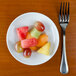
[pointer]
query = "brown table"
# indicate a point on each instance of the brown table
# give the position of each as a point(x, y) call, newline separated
point(9, 10)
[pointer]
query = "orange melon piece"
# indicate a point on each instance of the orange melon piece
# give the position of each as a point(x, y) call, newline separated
point(29, 36)
point(43, 39)
point(34, 48)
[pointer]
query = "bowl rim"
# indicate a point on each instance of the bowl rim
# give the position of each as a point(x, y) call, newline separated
point(55, 50)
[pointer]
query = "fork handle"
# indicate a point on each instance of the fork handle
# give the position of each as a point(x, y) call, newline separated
point(64, 65)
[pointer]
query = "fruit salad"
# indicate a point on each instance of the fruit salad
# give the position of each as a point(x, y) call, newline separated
point(32, 40)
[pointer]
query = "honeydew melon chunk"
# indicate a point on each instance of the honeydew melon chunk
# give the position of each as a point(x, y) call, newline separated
point(35, 33)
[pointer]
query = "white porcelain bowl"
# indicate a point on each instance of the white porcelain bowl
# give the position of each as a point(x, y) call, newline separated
point(28, 19)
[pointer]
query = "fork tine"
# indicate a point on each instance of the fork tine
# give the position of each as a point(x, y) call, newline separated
point(60, 8)
point(68, 13)
point(60, 13)
point(63, 12)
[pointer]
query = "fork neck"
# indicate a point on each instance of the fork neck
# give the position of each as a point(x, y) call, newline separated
point(63, 32)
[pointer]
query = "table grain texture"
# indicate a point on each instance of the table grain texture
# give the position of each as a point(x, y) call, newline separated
point(9, 10)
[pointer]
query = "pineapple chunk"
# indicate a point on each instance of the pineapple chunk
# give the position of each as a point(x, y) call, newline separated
point(45, 49)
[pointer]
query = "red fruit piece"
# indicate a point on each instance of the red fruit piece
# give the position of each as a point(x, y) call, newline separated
point(27, 52)
point(22, 32)
point(26, 43)
point(39, 26)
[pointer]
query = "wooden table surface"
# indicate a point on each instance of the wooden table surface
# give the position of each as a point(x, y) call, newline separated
point(9, 10)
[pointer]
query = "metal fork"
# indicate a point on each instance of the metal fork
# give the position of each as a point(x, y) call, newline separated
point(63, 21)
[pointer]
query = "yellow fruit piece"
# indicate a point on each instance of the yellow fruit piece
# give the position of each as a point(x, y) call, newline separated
point(45, 49)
